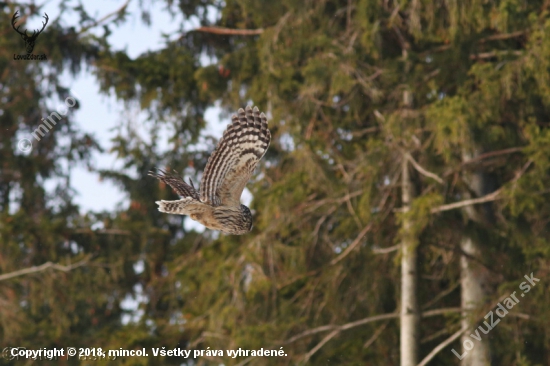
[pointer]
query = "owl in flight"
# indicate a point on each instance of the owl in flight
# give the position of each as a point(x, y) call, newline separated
point(217, 204)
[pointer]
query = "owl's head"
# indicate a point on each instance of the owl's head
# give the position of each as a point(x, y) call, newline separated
point(247, 217)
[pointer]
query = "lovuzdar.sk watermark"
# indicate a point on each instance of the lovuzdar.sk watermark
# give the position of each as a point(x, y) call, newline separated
point(501, 310)
point(30, 57)
point(30, 40)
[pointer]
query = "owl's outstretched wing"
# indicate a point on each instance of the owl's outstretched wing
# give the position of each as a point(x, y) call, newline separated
point(177, 183)
point(232, 163)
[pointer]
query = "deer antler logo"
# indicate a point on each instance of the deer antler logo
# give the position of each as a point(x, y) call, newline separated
point(29, 40)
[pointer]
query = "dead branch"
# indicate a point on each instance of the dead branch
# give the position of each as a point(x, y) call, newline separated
point(499, 37)
point(342, 327)
point(43, 267)
point(386, 250)
point(321, 344)
point(364, 321)
point(489, 154)
point(441, 295)
point(103, 231)
point(492, 54)
point(522, 316)
point(452, 338)
point(105, 18)
point(352, 246)
point(430, 313)
point(229, 31)
point(421, 170)
point(375, 335)
point(494, 37)
point(436, 335)
point(333, 200)
point(487, 198)
point(474, 201)
point(365, 131)
point(352, 212)
point(439, 347)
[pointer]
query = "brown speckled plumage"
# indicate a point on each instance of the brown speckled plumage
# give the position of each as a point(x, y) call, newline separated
point(217, 203)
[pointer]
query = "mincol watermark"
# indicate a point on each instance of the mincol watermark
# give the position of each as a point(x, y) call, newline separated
point(501, 310)
point(25, 144)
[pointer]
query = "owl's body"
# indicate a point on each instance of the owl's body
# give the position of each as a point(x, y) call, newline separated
point(228, 219)
point(217, 204)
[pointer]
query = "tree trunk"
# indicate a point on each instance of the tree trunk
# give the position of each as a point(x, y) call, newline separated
point(473, 281)
point(409, 303)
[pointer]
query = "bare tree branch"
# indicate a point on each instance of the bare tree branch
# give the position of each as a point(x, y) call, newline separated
point(319, 203)
point(230, 31)
point(456, 335)
point(494, 37)
point(371, 319)
point(421, 170)
point(333, 327)
point(375, 335)
point(352, 212)
point(365, 131)
point(522, 316)
point(436, 335)
point(474, 201)
point(487, 198)
point(492, 54)
point(386, 250)
point(43, 267)
point(103, 231)
point(490, 154)
point(440, 346)
point(430, 313)
point(352, 245)
point(498, 37)
point(105, 18)
point(321, 344)
point(441, 295)
point(486, 155)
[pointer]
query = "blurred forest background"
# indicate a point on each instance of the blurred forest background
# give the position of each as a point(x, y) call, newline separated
point(405, 193)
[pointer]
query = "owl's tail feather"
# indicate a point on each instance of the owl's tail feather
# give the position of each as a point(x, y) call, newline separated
point(179, 207)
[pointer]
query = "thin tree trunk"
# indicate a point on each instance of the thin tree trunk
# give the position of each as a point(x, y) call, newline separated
point(409, 303)
point(410, 320)
point(473, 281)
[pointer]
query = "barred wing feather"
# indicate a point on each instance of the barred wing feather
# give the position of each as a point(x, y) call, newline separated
point(232, 163)
point(177, 183)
